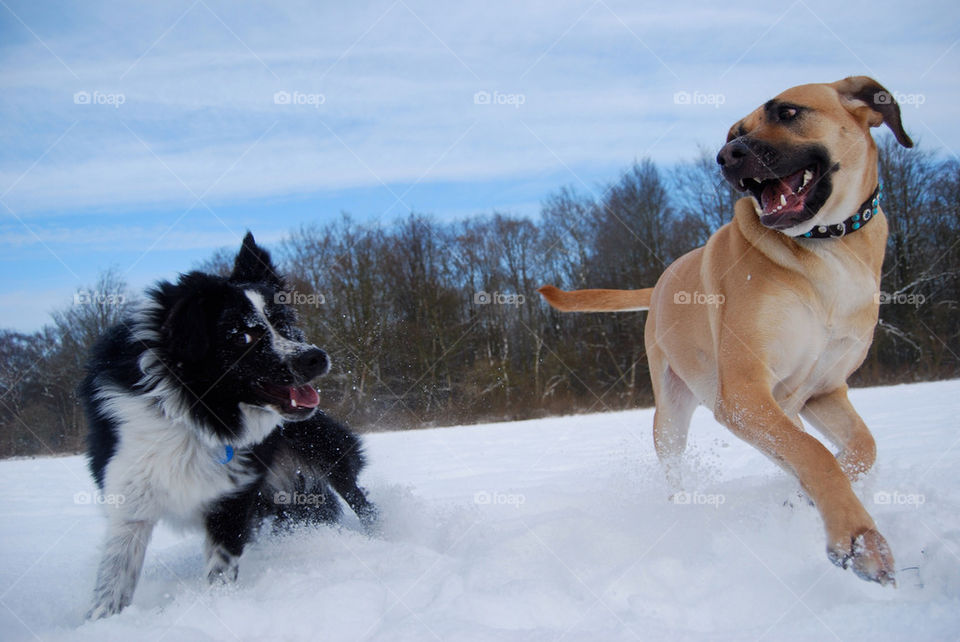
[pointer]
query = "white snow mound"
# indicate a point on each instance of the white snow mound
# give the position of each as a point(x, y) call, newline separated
point(536, 530)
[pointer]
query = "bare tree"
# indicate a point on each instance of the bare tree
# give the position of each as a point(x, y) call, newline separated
point(703, 196)
point(425, 323)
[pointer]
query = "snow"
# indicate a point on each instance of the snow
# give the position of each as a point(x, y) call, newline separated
point(554, 529)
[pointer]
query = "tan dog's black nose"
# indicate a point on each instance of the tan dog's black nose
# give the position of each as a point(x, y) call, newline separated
point(732, 154)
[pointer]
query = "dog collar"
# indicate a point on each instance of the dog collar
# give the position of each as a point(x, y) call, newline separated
point(866, 212)
point(227, 454)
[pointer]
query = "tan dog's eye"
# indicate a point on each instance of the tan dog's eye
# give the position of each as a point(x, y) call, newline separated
point(787, 113)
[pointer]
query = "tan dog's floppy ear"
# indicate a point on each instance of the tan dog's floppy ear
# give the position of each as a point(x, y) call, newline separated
point(862, 92)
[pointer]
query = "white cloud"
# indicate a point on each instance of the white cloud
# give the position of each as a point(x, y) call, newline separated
point(398, 93)
point(28, 310)
point(398, 81)
point(104, 237)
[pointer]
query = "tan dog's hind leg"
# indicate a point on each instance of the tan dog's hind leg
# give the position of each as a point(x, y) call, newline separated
point(834, 416)
point(753, 414)
point(671, 422)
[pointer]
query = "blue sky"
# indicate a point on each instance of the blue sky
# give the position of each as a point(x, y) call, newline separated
point(144, 136)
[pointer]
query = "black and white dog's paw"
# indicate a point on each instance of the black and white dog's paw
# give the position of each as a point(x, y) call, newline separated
point(108, 602)
point(370, 520)
point(222, 566)
point(104, 609)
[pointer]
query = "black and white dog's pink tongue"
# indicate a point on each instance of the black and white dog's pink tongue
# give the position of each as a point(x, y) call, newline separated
point(304, 397)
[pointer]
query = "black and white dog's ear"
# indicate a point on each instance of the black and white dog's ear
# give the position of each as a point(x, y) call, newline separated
point(253, 265)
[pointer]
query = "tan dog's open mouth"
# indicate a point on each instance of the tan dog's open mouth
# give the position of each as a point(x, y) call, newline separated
point(782, 197)
point(788, 198)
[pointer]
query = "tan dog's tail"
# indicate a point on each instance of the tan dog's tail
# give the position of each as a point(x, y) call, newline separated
point(597, 300)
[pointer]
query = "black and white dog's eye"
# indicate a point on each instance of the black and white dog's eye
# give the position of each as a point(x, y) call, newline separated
point(251, 335)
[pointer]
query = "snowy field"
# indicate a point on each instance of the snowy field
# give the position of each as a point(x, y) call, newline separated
point(555, 529)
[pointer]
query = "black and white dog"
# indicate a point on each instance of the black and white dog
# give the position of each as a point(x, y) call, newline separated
point(185, 401)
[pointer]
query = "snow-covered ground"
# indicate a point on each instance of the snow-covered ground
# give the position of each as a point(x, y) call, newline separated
point(536, 530)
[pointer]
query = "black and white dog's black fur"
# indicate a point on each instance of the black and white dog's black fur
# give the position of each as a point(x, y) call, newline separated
point(185, 400)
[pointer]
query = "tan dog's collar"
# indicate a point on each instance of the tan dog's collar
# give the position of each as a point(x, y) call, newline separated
point(865, 213)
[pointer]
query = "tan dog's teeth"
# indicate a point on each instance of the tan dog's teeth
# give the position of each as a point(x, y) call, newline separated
point(783, 200)
point(807, 175)
point(742, 186)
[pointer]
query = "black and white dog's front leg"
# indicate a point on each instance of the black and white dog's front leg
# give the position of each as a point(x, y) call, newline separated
point(120, 565)
point(228, 525)
point(357, 500)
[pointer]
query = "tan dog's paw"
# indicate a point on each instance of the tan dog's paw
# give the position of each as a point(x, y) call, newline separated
point(869, 555)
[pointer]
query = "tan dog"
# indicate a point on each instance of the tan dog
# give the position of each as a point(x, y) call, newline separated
point(766, 322)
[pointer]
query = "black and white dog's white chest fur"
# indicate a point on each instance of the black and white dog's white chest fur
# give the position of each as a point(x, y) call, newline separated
point(185, 401)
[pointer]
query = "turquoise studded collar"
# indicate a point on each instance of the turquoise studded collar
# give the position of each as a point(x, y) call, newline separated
point(866, 212)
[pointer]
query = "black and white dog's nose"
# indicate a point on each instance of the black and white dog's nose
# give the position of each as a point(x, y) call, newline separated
point(311, 363)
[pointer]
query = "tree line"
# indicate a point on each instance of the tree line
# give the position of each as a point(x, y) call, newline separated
point(438, 323)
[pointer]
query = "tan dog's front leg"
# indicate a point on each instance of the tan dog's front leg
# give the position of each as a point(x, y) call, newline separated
point(834, 416)
point(753, 414)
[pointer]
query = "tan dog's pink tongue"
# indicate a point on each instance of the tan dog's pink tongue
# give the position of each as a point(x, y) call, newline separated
point(782, 192)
